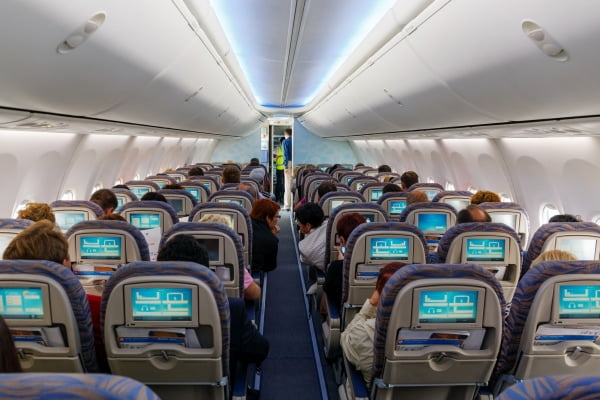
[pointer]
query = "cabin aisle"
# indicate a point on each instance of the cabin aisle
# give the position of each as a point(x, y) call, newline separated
point(289, 372)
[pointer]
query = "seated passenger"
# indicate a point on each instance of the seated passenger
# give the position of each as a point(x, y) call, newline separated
point(112, 217)
point(333, 279)
point(324, 187)
point(553, 255)
point(391, 187)
point(407, 179)
point(472, 213)
point(246, 343)
point(154, 196)
point(196, 171)
point(359, 336)
point(9, 359)
point(384, 168)
point(310, 219)
point(36, 212)
point(251, 289)
point(121, 186)
point(264, 215)
point(173, 186)
point(416, 196)
point(231, 175)
point(484, 196)
point(564, 218)
point(106, 199)
point(254, 162)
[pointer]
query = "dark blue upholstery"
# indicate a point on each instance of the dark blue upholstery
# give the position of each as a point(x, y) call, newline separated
point(79, 203)
point(567, 387)
point(14, 224)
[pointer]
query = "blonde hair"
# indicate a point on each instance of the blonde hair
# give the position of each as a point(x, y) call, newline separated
point(485, 196)
point(217, 218)
point(37, 212)
point(553, 255)
point(40, 241)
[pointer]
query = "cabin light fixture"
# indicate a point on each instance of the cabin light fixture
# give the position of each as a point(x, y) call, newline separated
point(546, 43)
point(82, 33)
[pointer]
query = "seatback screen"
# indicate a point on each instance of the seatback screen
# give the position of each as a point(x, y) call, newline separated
point(397, 206)
point(100, 247)
point(206, 185)
point(390, 248)
point(194, 192)
point(161, 304)
point(21, 303)
point(506, 219)
point(236, 201)
point(376, 194)
point(139, 191)
point(579, 301)
point(145, 220)
point(336, 203)
point(212, 246)
point(485, 250)
point(66, 220)
point(120, 201)
point(583, 249)
point(177, 204)
point(458, 204)
point(432, 222)
point(437, 307)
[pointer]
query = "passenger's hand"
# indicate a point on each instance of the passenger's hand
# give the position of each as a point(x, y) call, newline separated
point(276, 229)
point(374, 300)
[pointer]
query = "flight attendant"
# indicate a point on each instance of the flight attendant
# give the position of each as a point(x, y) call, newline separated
point(287, 161)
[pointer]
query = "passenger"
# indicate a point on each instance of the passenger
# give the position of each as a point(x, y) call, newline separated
point(106, 199)
point(358, 165)
point(279, 171)
point(416, 196)
point(391, 187)
point(36, 212)
point(358, 338)
point(173, 186)
point(196, 171)
point(121, 186)
point(9, 359)
point(287, 162)
point(564, 218)
point(246, 343)
point(389, 178)
point(384, 168)
point(254, 162)
point(309, 218)
point(112, 217)
point(264, 215)
point(553, 255)
point(407, 179)
point(258, 176)
point(231, 174)
point(250, 189)
point(333, 168)
point(473, 213)
point(251, 289)
point(333, 279)
point(324, 188)
point(154, 196)
point(484, 196)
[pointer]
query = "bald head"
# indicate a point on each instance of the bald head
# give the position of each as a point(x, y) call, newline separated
point(416, 196)
point(478, 214)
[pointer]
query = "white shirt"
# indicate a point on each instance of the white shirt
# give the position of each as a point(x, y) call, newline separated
point(312, 247)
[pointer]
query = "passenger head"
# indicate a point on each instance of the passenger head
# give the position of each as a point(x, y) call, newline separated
point(9, 359)
point(263, 209)
point(37, 212)
point(154, 196)
point(287, 132)
point(120, 186)
point(112, 217)
point(309, 216)
point(553, 255)
point(217, 219)
point(384, 168)
point(478, 214)
point(358, 165)
point(347, 223)
point(249, 189)
point(173, 186)
point(391, 187)
point(196, 171)
point(463, 217)
point(416, 196)
point(184, 248)
point(407, 179)
point(386, 273)
point(106, 199)
point(257, 175)
point(326, 187)
point(484, 196)
point(40, 241)
point(231, 175)
point(564, 218)
point(254, 161)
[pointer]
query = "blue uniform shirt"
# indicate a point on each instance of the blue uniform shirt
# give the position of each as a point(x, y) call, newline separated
point(287, 151)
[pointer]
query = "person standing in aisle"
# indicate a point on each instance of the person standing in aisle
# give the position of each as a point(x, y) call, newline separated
point(279, 170)
point(287, 161)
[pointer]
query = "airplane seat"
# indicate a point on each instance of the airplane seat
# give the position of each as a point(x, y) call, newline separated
point(459, 199)
point(381, 176)
point(430, 189)
point(511, 214)
point(124, 196)
point(372, 191)
point(9, 228)
point(330, 201)
point(225, 251)
point(160, 180)
point(74, 386)
point(582, 239)
point(251, 182)
point(542, 336)
point(229, 186)
point(347, 176)
point(393, 203)
point(54, 334)
point(554, 388)
point(150, 214)
point(311, 186)
point(180, 199)
point(69, 212)
point(372, 212)
point(446, 357)
point(240, 217)
point(197, 189)
point(323, 167)
point(210, 182)
point(166, 324)
point(492, 245)
point(179, 176)
point(356, 184)
point(338, 173)
point(240, 197)
point(140, 188)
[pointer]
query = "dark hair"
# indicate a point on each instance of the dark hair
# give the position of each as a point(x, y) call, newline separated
point(359, 165)
point(409, 178)
point(184, 248)
point(347, 223)
point(288, 131)
point(386, 273)
point(196, 171)
point(9, 360)
point(391, 187)
point(231, 175)
point(384, 168)
point(264, 208)
point(120, 186)
point(173, 186)
point(105, 198)
point(254, 161)
point(155, 196)
point(463, 217)
point(564, 218)
point(310, 213)
point(326, 187)
point(112, 217)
